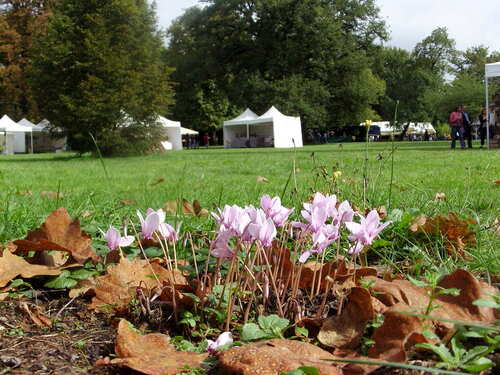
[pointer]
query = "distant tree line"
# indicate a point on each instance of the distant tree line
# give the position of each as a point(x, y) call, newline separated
point(101, 69)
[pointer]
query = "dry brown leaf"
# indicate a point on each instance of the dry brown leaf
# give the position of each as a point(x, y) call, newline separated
point(127, 202)
point(272, 357)
point(82, 287)
point(151, 354)
point(24, 192)
point(37, 316)
point(262, 179)
point(311, 272)
point(439, 197)
point(345, 330)
point(170, 207)
point(12, 266)
point(87, 213)
point(60, 233)
point(399, 331)
point(157, 182)
point(117, 288)
point(496, 226)
point(193, 209)
point(52, 194)
point(456, 231)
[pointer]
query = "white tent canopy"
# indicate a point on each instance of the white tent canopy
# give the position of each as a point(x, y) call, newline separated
point(491, 71)
point(186, 131)
point(420, 128)
point(14, 135)
point(272, 129)
point(243, 119)
point(173, 131)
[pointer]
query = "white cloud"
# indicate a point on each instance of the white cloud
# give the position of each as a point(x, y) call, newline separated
point(470, 23)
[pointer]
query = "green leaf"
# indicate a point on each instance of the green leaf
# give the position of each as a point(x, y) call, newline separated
point(273, 323)
point(441, 350)
point(83, 274)
point(486, 302)
point(301, 331)
point(450, 291)
point(61, 282)
point(252, 332)
point(418, 283)
point(479, 365)
point(304, 370)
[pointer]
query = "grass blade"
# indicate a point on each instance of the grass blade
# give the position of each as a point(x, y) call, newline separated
point(398, 365)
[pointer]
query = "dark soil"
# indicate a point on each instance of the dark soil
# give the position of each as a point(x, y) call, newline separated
point(76, 339)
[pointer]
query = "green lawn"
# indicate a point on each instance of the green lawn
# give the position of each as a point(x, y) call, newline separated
point(218, 176)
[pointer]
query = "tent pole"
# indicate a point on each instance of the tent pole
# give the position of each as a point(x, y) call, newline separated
point(248, 132)
point(32, 151)
point(487, 113)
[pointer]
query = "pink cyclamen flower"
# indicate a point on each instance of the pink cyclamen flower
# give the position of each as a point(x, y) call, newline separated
point(366, 231)
point(168, 232)
point(115, 240)
point(225, 338)
point(150, 224)
point(261, 227)
point(233, 218)
point(220, 247)
point(274, 210)
point(161, 214)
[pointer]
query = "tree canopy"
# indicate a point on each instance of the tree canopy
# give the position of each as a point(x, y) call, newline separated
point(98, 72)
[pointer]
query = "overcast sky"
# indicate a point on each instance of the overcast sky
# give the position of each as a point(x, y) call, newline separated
point(469, 22)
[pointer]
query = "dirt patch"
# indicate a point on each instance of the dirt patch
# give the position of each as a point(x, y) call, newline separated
point(76, 339)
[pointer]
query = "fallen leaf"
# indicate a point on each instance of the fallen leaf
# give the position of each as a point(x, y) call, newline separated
point(52, 194)
point(12, 266)
point(119, 285)
point(37, 316)
point(457, 232)
point(193, 209)
point(151, 354)
point(157, 182)
point(24, 192)
point(439, 197)
point(418, 222)
point(262, 179)
point(399, 331)
point(171, 207)
point(60, 233)
point(127, 202)
point(275, 356)
point(345, 330)
point(87, 213)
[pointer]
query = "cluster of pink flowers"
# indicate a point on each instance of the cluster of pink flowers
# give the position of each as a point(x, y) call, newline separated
point(248, 224)
point(323, 221)
point(154, 222)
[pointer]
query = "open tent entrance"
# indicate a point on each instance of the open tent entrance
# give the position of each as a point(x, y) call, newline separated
point(491, 71)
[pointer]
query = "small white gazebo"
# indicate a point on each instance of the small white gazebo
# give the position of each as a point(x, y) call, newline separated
point(14, 136)
point(272, 129)
point(491, 71)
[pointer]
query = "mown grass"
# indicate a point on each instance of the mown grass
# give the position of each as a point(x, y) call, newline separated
point(217, 177)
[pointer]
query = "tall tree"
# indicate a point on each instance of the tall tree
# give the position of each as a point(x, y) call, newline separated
point(99, 73)
point(310, 57)
point(21, 23)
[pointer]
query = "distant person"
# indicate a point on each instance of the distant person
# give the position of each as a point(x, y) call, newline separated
point(426, 135)
point(467, 126)
point(483, 123)
point(456, 122)
point(206, 140)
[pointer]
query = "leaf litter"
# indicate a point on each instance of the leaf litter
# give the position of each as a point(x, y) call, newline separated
point(152, 354)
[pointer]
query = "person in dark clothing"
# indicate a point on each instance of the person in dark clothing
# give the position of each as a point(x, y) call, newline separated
point(467, 127)
point(482, 126)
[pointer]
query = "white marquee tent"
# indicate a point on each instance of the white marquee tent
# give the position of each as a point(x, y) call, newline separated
point(14, 136)
point(272, 129)
point(420, 128)
point(491, 71)
point(173, 131)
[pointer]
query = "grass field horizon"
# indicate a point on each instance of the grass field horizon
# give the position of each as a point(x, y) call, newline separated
point(104, 191)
